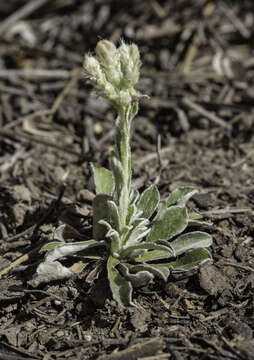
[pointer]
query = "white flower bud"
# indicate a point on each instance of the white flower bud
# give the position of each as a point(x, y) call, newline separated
point(134, 55)
point(108, 56)
point(93, 70)
point(125, 60)
point(96, 75)
point(106, 52)
point(130, 64)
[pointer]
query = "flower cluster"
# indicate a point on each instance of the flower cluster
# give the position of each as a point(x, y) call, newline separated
point(114, 71)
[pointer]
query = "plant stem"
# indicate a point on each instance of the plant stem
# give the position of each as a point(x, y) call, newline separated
point(123, 127)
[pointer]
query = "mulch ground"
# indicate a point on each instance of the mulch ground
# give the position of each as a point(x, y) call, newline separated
point(195, 129)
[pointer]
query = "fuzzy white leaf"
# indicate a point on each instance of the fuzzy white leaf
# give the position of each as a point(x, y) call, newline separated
point(50, 271)
point(70, 249)
point(189, 241)
point(149, 201)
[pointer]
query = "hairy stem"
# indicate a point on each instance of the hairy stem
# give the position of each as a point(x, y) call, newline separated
point(123, 153)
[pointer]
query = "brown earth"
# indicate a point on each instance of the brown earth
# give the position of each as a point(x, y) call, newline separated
point(198, 69)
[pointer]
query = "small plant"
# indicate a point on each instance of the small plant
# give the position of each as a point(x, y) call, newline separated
point(132, 237)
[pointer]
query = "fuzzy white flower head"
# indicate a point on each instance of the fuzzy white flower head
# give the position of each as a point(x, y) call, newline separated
point(114, 72)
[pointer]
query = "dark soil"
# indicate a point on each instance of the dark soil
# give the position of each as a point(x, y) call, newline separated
point(198, 69)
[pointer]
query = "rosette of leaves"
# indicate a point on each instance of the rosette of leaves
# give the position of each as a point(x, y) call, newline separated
point(154, 243)
point(134, 237)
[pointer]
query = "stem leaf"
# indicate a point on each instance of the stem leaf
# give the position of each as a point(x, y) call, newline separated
point(103, 180)
point(120, 287)
point(70, 248)
point(189, 260)
point(154, 255)
point(172, 222)
point(147, 246)
point(138, 278)
point(50, 246)
point(179, 197)
point(101, 211)
point(149, 201)
point(191, 240)
point(162, 271)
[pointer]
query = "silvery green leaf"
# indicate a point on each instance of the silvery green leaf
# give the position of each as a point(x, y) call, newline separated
point(172, 222)
point(140, 222)
point(117, 170)
point(136, 217)
point(189, 260)
point(123, 204)
point(149, 201)
point(189, 241)
point(113, 235)
point(179, 197)
point(199, 223)
point(50, 246)
point(136, 233)
point(195, 219)
point(195, 216)
point(139, 278)
point(161, 272)
point(120, 287)
point(127, 252)
point(164, 270)
point(154, 255)
point(134, 196)
point(101, 211)
point(165, 243)
point(114, 214)
point(131, 211)
point(103, 180)
point(90, 253)
point(134, 109)
point(70, 249)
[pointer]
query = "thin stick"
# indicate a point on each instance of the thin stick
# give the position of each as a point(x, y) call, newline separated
point(190, 76)
point(19, 261)
point(21, 13)
point(27, 117)
point(152, 156)
point(35, 73)
point(17, 236)
point(193, 48)
point(238, 24)
point(242, 267)
point(225, 211)
point(27, 137)
point(242, 160)
point(75, 74)
point(207, 114)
